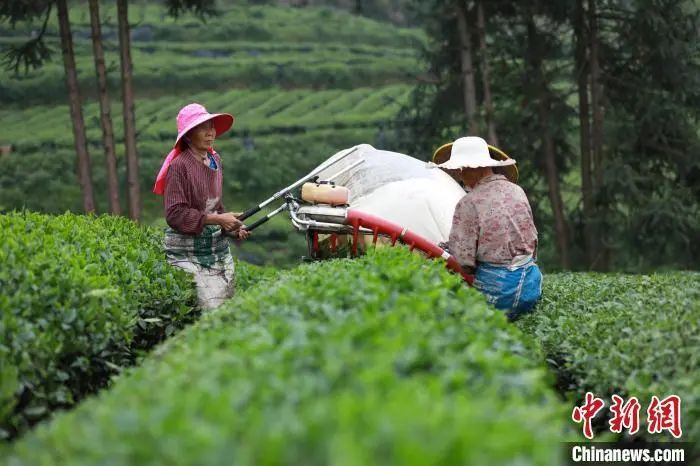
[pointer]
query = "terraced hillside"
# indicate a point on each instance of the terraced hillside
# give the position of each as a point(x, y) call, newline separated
point(283, 132)
point(302, 83)
point(243, 46)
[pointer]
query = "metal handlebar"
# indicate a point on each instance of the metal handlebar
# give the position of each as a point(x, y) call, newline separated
point(283, 192)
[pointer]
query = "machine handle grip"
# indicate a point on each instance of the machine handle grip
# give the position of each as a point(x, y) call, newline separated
point(257, 223)
point(249, 212)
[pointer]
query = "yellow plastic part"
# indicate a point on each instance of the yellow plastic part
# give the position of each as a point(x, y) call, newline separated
point(325, 194)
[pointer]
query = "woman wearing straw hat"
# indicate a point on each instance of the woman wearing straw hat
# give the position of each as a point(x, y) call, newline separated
point(493, 233)
point(191, 180)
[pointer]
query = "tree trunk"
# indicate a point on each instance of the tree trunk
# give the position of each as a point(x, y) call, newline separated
point(582, 71)
point(597, 135)
point(132, 162)
point(600, 261)
point(554, 190)
point(485, 75)
point(105, 113)
point(76, 111)
point(551, 170)
point(467, 68)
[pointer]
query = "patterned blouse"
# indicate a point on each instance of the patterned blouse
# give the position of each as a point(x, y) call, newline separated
point(493, 223)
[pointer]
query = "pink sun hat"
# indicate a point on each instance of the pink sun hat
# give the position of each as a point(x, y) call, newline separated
point(189, 117)
point(193, 115)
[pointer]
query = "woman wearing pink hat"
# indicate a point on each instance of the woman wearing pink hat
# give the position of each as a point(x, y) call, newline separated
point(493, 232)
point(191, 180)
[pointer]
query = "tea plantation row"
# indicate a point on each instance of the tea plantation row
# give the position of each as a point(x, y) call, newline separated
point(240, 22)
point(624, 334)
point(243, 46)
point(382, 360)
point(386, 359)
point(80, 298)
point(258, 113)
point(166, 73)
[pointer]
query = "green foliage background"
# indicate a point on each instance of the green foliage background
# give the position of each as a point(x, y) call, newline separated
point(646, 207)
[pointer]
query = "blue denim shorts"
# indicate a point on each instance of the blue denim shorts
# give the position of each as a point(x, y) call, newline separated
point(514, 291)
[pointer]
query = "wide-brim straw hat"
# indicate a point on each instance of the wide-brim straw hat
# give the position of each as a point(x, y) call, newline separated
point(478, 148)
point(193, 115)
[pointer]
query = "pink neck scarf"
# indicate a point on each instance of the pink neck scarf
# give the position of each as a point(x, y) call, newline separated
point(159, 186)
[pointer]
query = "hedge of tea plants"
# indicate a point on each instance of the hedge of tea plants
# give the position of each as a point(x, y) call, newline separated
point(385, 360)
point(633, 335)
point(80, 297)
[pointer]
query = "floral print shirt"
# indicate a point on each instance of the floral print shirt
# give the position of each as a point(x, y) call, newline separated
point(493, 223)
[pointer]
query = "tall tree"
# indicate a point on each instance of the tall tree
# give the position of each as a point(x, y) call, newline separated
point(132, 161)
point(358, 7)
point(542, 95)
point(596, 93)
point(600, 253)
point(647, 196)
point(466, 56)
point(75, 105)
point(105, 111)
point(33, 53)
point(582, 82)
point(636, 118)
point(201, 8)
point(600, 249)
point(486, 75)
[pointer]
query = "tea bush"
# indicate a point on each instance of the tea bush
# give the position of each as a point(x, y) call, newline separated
point(624, 334)
point(79, 298)
point(249, 275)
point(386, 359)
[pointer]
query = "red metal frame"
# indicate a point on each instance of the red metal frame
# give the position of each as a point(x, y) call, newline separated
point(396, 232)
point(314, 244)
